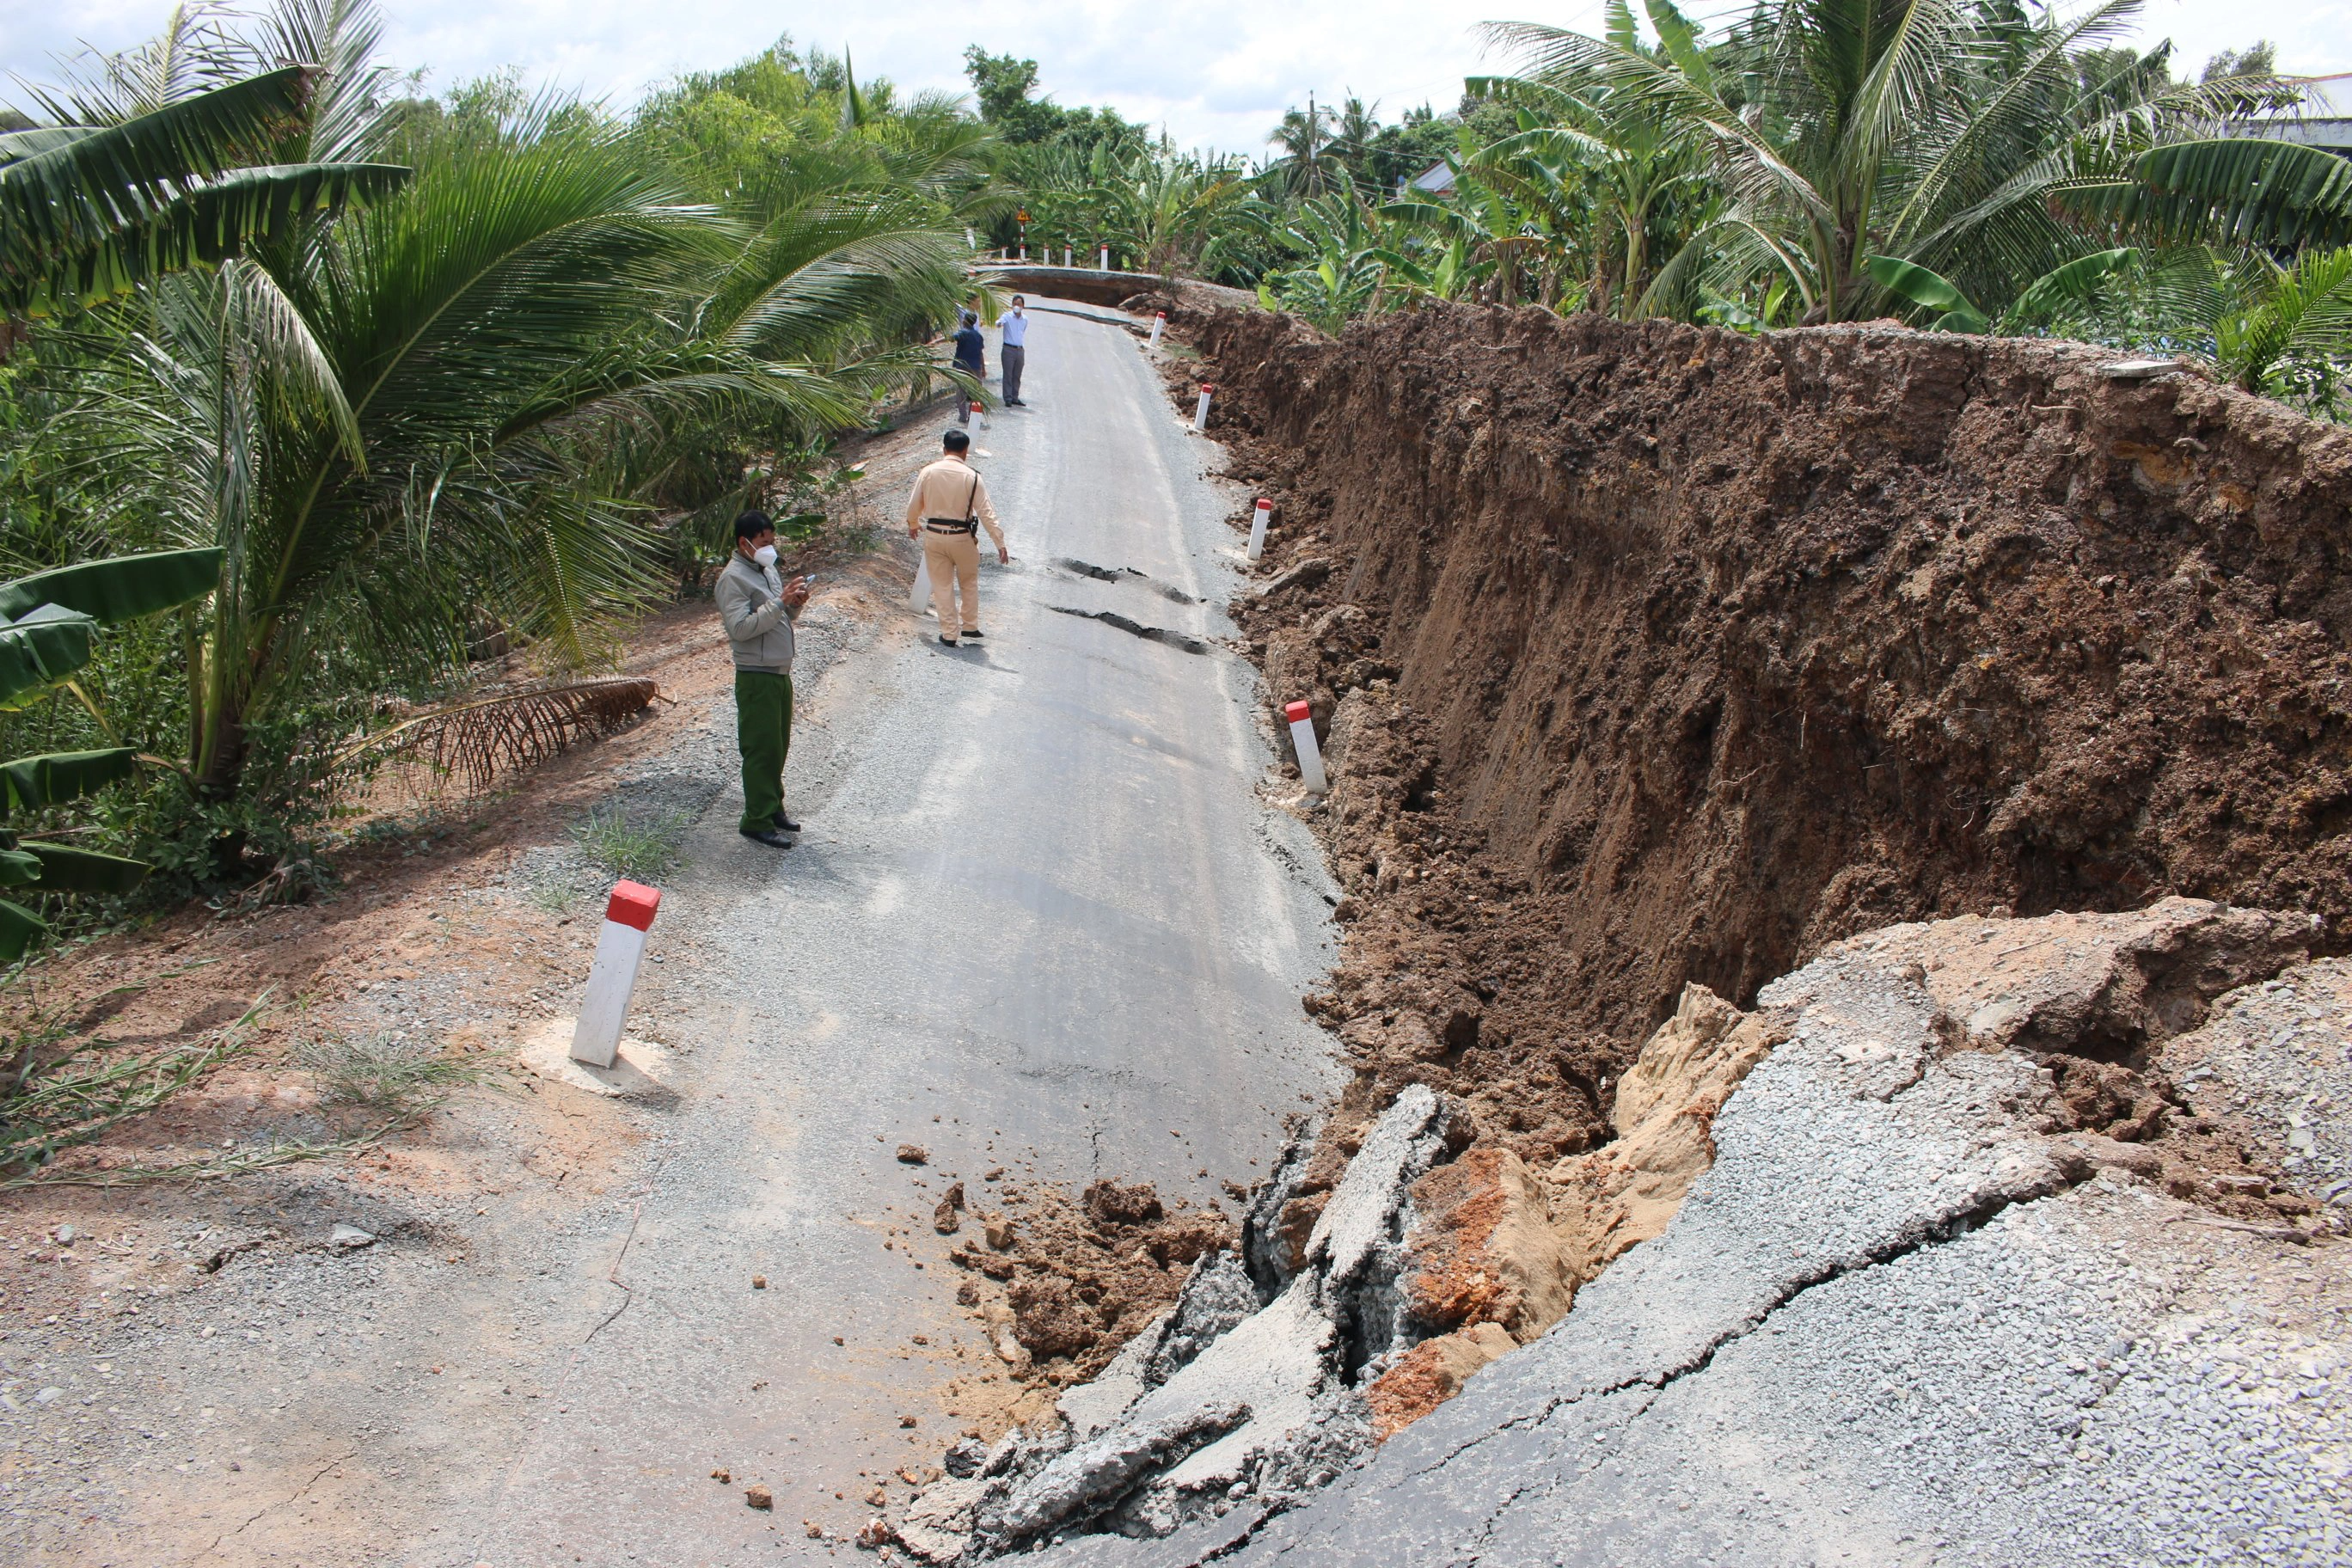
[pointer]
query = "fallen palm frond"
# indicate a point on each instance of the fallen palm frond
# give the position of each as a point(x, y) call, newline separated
point(81, 1094)
point(475, 743)
point(242, 1162)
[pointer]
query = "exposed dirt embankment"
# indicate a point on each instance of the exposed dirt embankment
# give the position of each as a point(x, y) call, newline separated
point(1659, 655)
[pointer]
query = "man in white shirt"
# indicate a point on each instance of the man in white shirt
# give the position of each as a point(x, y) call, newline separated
point(1013, 354)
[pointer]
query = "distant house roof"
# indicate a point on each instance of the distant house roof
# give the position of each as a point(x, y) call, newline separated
point(1435, 181)
point(2325, 122)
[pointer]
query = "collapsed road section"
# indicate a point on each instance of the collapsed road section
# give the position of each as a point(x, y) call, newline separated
point(1798, 1115)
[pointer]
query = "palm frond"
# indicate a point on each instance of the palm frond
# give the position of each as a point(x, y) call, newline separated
point(478, 743)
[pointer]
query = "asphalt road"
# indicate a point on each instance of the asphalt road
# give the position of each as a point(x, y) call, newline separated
point(1038, 918)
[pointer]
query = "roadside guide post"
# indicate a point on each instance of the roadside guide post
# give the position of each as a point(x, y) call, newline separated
point(920, 599)
point(1259, 518)
point(1201, 414)
point(1159, 325)
point(613, 977)
point(1106, 259)
point(1310, 756)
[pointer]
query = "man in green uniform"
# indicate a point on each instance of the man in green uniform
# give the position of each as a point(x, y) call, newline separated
point(758, 608)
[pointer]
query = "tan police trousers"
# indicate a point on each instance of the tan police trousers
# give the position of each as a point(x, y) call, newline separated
point(953, 560)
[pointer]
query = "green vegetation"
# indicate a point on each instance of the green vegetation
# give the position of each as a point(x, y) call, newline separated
point(640, 847)
point(426, 378)
point(387, 1070)
point(422, 378)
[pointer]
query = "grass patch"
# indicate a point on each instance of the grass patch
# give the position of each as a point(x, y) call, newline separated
point(382, 1070)
point(57, 1093)
point(638, 848)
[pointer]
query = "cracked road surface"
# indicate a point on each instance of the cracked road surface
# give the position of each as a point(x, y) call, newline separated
point(1890, 1325)
point(1036, 907)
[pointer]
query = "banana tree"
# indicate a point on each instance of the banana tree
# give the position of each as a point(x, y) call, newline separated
point(1840, 128)
point(48, 623)
point(2072, 283)
point(87, 211)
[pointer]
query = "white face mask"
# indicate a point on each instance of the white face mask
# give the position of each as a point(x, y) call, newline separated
point(765, 555)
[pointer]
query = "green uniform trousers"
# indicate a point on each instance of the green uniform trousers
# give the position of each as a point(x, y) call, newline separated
point(763, 734)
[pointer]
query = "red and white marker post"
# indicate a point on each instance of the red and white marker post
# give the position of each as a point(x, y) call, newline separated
point(613, 977)
point(1106, 258)
point(1201, 414)
point(1159, 325)
point(1259, 519)
point(1310, 756)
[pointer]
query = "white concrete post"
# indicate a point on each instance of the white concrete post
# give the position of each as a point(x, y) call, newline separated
point(1263, 515)
point(1025, 252)
point(613, 977)
point(1106, 258)
point(978, 413)
point(1310, 756)
point(1065, 257)
point(1159, 325)
point(971, 240)
point(920, 599)
point(1201, 414)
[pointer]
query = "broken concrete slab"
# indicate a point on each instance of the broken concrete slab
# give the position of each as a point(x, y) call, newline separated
point(1908, 1313)
point(1230, 1389)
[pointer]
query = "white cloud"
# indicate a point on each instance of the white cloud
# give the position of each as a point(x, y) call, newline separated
point(1216, 73)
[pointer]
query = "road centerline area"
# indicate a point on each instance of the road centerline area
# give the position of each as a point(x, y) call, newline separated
point(1039, 915)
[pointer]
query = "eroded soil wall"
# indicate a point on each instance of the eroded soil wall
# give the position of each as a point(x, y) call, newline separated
point(1705, 650)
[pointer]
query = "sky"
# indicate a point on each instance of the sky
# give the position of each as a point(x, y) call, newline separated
point(1214, 73)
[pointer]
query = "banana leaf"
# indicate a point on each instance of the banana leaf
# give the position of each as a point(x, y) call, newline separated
point(65, 869)
point(2227, 190)
point(1937, 292)
point(42, 650)
point(28, 784)
point(119, 588)
point(20, 927)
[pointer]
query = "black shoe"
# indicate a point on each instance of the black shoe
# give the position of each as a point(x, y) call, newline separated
point(972, 637)
point(947, 642)
point(767, 836)
point(1014, 402)
point(784, 824)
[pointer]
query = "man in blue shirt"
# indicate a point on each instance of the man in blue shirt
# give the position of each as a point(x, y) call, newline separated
point(1016, 352)
point(970, 354)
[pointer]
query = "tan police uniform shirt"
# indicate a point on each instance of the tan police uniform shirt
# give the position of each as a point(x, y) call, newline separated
point(953, 488)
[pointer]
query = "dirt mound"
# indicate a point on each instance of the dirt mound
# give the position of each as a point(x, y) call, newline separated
point(1651, 654)
point(1062, 1283)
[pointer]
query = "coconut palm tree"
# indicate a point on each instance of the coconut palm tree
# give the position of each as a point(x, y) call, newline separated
point(1840, 130)
point(1307, 162)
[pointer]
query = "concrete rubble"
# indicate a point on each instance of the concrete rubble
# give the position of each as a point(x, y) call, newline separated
point(1288, 1358)
point(1247, 1388)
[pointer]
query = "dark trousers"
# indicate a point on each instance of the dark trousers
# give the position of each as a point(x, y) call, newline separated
point(763, 734)
point(1015, 358)
point(963, 403)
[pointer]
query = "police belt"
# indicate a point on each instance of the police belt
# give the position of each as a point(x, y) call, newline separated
point(953, 525)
